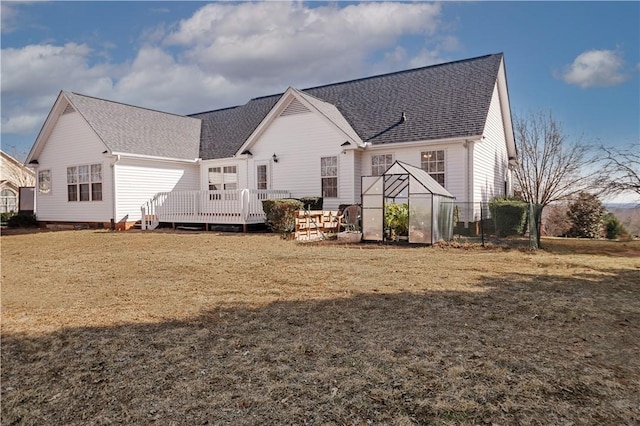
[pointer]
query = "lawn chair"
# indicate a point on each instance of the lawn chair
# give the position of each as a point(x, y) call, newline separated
point(350, 218)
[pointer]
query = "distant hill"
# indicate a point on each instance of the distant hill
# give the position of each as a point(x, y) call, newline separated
point(628, 214)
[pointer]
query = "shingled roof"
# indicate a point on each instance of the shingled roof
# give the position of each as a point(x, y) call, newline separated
point(440, 101)
point(134, 130)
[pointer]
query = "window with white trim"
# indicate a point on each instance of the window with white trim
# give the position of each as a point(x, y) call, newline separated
point(329, 176)
point(432, 162)
point(44, 181)
point(223, 178)
point(8, 201)
point(380, 164)
point(84, 183)
point(262, 177)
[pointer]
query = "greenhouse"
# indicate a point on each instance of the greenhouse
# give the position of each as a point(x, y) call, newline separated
point(405, 203)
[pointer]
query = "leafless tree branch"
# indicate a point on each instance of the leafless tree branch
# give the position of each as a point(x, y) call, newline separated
point(551, 167)
point(619, 169)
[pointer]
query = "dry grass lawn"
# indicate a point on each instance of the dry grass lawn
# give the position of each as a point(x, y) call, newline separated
point(205, 328)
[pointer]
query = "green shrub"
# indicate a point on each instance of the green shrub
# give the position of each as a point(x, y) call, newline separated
point(281, 214)
point(5, 216)
point(396, 216)
point(612, 226)
point(311, 203)
point(509, 216)
point(22, 220)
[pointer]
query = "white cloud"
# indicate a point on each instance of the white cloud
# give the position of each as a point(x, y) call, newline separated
point(21, 124)
point(223, 55)
point(37, 69)
point(290, 42)
point(596, 68)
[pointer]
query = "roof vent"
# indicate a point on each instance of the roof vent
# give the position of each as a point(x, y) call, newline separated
point(403, 118)
point(68, 110)
point(294, 107)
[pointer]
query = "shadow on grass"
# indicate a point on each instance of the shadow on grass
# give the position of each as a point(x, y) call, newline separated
point(520, 350)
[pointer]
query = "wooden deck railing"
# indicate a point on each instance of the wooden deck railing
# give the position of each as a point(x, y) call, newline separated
point(238, 207)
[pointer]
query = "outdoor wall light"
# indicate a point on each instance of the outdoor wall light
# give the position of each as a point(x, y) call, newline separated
point(275, 158)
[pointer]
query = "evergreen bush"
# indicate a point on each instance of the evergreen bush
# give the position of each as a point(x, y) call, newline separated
point(509, 216)
point(613, 227)
point(585, 213)
point(22, 220)
point(281, 214)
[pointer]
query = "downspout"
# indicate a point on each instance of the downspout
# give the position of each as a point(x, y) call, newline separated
point(468, 181)
point(113, 190)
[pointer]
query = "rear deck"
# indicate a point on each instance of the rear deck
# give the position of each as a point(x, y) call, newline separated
point(224, 207)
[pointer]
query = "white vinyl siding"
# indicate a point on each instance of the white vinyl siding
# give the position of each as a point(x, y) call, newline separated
point(137, 181)
point(72, 142)
point(300, 141)
point(455, 163)
point(490, 157)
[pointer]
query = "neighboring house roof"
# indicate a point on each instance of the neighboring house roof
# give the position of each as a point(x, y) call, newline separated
point(439, 102)
point(135, 130)
point(15, 174)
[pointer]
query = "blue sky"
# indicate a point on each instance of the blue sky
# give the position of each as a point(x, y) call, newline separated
point(579, 60)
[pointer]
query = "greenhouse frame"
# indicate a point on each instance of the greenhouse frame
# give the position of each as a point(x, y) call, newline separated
point(406, 203)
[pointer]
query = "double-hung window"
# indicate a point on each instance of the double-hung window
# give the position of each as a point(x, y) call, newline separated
point(262, 177)
point(380, 164)
point(329, 176)
point(44, 181)
point(432, 162)
point(84, 183)
point(223, 178)
point(8, 201)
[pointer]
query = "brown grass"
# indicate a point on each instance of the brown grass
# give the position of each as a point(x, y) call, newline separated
point(205, 328)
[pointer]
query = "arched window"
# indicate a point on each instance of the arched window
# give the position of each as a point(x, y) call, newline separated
point(8, 201)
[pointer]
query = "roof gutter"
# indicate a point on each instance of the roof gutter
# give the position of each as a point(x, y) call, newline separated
point(446, 141)
point(153, 157)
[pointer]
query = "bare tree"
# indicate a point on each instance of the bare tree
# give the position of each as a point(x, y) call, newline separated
point(551, 167)
point(619, 170)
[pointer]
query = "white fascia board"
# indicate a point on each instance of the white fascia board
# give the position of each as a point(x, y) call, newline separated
point(446, 141)
point(503, 94)
point(301, 96)
point(266, 121)
point(154, 157)
point(46, 128)
point(223, 161)
point(54, 114)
